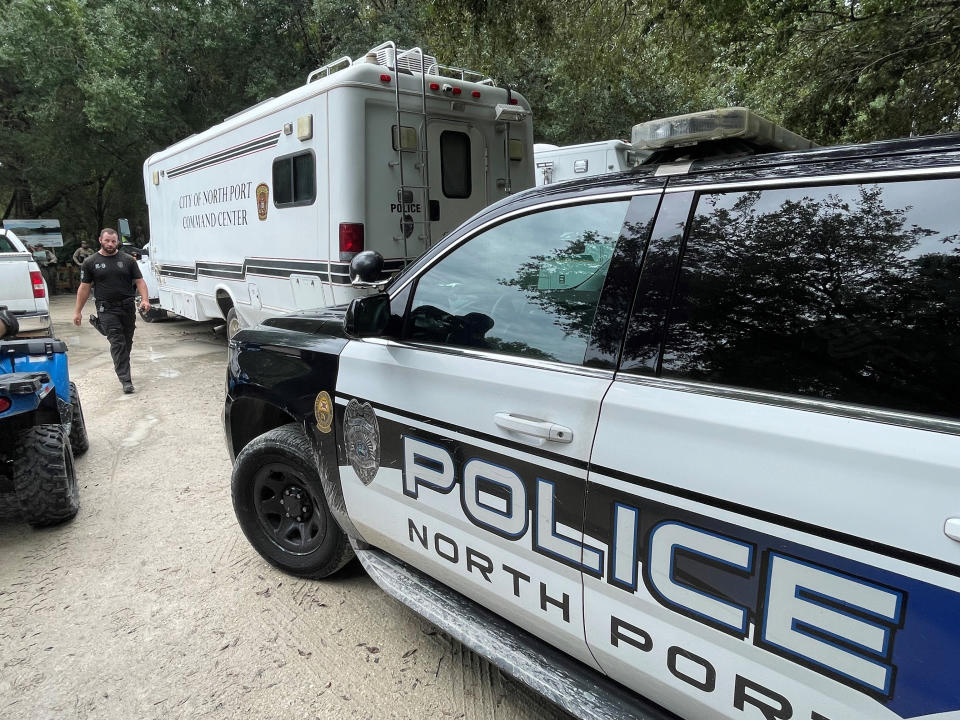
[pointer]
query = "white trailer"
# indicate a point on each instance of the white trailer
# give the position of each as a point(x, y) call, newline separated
point(568, 162)
point(261, 214)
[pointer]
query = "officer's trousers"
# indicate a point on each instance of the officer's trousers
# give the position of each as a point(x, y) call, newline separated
point(118, 321)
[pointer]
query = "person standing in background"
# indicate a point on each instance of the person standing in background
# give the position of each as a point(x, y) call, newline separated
point(82, 253)
point(48, 266)
point(79, 255)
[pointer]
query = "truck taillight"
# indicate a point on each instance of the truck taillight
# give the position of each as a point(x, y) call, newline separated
point(36, 279)
point(351, 240)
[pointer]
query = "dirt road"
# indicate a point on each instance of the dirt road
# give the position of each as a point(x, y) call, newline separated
point(151, 604)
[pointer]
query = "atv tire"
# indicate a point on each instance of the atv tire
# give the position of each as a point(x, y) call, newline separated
point(78, 426)
point(43, 476)
point(9, 507)
point(281, 508)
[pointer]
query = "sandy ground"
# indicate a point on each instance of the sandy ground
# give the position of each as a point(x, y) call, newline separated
point(151, 604)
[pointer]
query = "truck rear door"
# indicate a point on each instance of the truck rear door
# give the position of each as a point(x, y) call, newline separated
point(458, 184)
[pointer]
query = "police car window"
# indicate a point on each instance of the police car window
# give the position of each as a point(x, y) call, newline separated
point(294, 180)
point(848, 293)
point(527, 287)
point(6, 245)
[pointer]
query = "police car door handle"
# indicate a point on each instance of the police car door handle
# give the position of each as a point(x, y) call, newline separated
point(951, 528)
point(532, 426)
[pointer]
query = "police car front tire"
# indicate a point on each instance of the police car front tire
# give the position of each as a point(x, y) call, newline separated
point(279, 503)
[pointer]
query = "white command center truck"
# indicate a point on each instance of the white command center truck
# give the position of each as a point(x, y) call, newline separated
point(570, 162)
point(261, 214)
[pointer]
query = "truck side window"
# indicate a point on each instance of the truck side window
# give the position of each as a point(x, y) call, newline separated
point(294, 180)
point(847, 293)
point(528, 287)
point(455, 164)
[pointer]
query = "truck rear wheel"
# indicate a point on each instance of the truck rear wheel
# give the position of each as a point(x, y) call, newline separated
point(43, 476)
point(78, 426)
point(153, 315)
point(279, 503)
point(233, 323)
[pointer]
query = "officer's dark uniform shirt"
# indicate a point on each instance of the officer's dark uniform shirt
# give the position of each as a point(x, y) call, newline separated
point(112, 276)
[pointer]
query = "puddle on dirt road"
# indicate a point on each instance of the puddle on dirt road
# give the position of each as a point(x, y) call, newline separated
point(182, 349)
point(139, 431)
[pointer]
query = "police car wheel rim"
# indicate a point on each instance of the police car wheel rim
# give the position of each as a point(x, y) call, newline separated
point(279, 493)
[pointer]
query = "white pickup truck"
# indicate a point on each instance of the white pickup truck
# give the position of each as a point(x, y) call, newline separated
point(22, 287)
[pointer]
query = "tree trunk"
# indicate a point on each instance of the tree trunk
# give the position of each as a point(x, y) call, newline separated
point(21, 203)
point(102, 199)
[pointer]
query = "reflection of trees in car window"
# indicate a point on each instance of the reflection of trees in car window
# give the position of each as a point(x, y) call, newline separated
point(528, 287)
point(566, 283)
point(844, 292)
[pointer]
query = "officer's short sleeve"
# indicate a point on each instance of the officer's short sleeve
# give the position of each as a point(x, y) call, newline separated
point(85, 275)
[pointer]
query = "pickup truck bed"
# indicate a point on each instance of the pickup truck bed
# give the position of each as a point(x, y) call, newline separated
point(22, 288)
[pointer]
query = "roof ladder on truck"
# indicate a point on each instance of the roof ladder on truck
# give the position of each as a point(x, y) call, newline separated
point(415, 61)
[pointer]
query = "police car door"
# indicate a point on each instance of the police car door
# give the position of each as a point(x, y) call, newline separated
point(466, 441)
point(776, 463)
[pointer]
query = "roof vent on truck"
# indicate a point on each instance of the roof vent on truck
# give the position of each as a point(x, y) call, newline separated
point(711, 130)
point(406, 59)
point(410, 61)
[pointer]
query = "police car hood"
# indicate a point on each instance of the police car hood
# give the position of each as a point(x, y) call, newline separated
point(322, 321)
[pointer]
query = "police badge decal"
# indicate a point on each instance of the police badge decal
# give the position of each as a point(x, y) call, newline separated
point(361, 435)
point(323, 411)
point(263, 197)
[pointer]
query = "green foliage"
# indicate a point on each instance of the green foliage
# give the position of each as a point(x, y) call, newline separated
point(834, 70)
point(90, 88)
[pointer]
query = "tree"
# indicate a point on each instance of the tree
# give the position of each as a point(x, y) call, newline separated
point(90, 88)
point(833, 70)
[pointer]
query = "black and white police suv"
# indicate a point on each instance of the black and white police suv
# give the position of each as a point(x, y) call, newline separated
point(681, 441)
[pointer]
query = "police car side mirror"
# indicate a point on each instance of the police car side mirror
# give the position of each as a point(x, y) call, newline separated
point(367, 316)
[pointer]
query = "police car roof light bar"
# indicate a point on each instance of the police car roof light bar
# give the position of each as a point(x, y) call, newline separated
point(712, 125)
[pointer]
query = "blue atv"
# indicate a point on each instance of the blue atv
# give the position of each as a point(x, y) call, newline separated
point(41, 429)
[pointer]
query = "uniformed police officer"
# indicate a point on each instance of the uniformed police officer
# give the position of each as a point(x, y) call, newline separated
point(114, 276)
point(82, 253)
